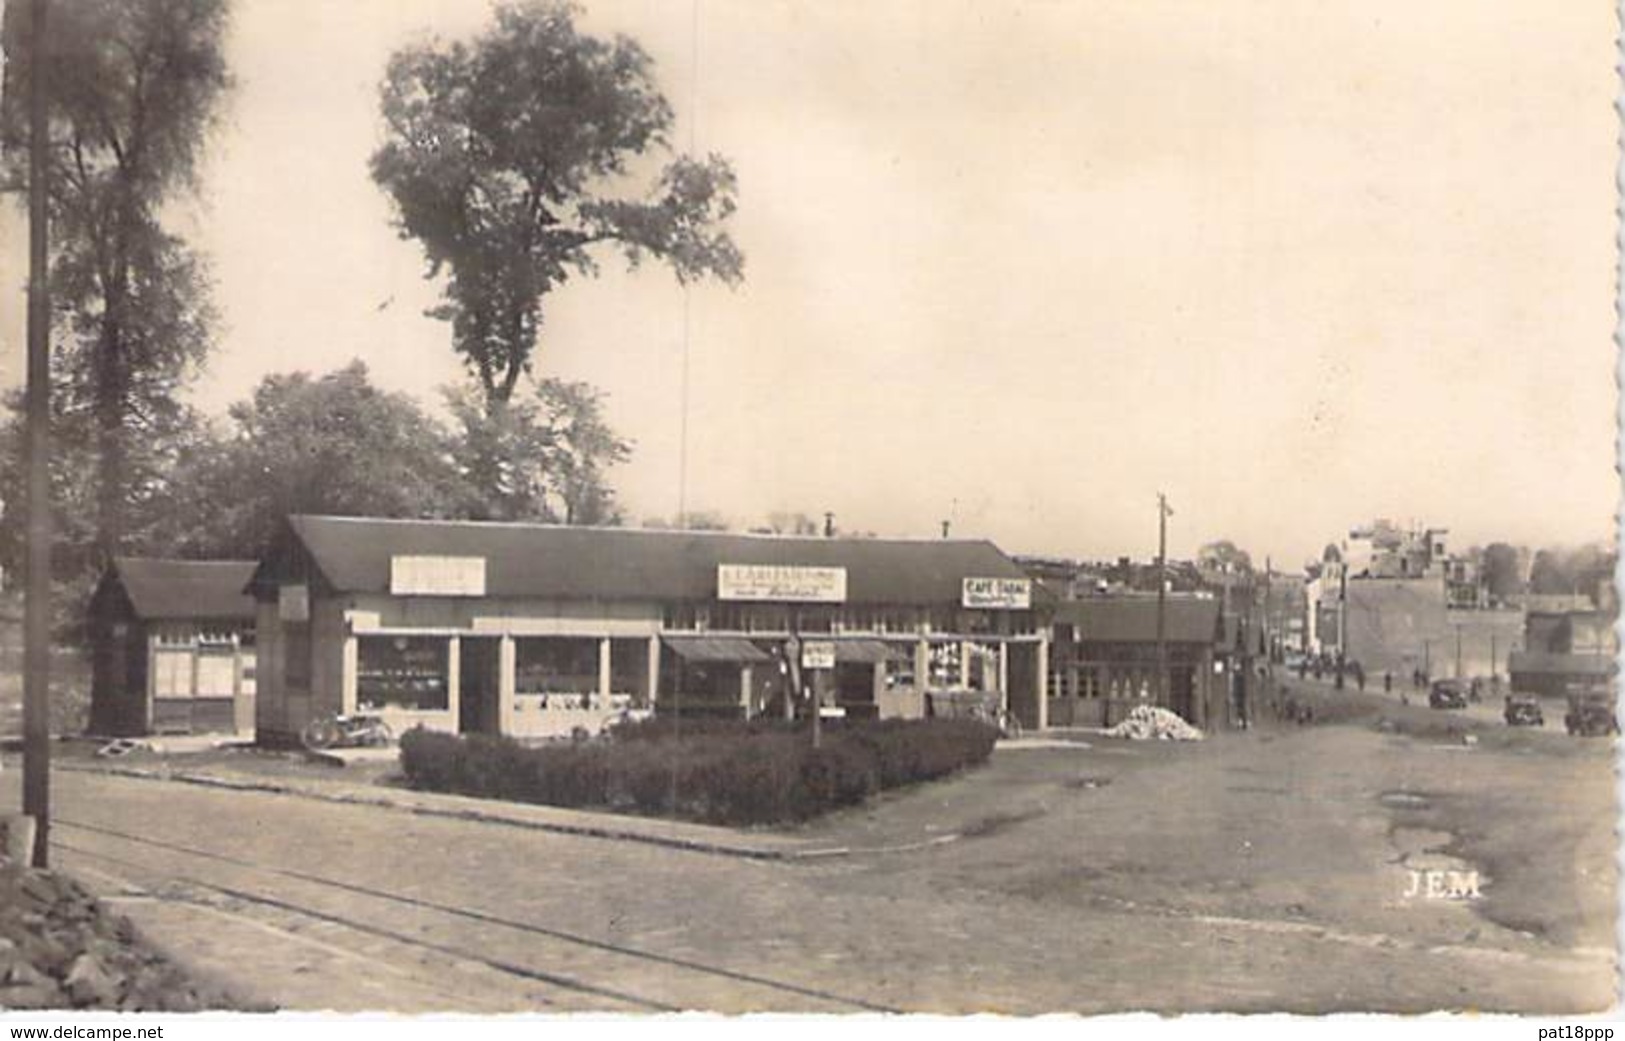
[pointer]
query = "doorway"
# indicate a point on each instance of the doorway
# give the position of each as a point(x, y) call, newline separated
point(478, 686)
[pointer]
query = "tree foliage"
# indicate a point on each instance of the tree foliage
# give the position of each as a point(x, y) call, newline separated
point(174, 431)
point(1503, 576)
point(133, 87)
point(1582, 570)
point(1225, 556)
point(544, 457)
point(504, 159)
point(333, 444)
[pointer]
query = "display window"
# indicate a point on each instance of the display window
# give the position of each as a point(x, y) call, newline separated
point(556, 665)
point(408, 672)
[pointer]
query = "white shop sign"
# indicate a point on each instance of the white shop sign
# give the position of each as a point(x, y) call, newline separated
point(1009, 594)
point(781, 582)
point(818, 654)
point(437, 576)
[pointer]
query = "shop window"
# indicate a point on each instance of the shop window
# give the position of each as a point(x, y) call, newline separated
point(408, 672)
point(556, 665)
point(215, 672)
point(172, 673)
point(946, 666)
point(766, 618)
point(984, 667)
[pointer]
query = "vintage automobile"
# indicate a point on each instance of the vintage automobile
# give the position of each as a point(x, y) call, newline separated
point(1447, 694)
point(1523, 710)
point(1591, 713)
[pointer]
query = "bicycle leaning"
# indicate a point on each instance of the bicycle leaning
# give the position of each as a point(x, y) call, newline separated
point(338, 730)
point(994, 715)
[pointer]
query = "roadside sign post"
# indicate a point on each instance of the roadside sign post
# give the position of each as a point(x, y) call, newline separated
point(817, 656)
point(794, 585)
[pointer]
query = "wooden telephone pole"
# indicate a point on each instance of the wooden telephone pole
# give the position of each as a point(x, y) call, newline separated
point(36, 603)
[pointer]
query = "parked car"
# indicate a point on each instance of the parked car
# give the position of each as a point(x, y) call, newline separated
point(1523, 710)
point(1591, 713)
point(1447, 694)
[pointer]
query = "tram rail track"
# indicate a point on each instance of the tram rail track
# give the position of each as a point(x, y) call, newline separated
point(779, 993)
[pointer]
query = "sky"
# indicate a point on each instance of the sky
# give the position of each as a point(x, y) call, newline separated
point(1018, 265)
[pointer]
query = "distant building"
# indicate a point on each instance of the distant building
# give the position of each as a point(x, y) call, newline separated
point(1383, 550)
point(1104, 660)
point(1323, 604)
point(1564, 650)
point(180, 656)
point(1464, 584)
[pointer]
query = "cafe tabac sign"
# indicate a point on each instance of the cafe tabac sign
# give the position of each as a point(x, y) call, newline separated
point(783, 583)
point(1009, 594)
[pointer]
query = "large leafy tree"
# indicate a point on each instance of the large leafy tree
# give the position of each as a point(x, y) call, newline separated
point(174, 432)
point(507, 158)
point(545, 456)
point(134, 87)
point(332, 444)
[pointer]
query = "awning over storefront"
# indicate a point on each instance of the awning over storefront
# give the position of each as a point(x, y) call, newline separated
point(870, 652)
point(715, 648)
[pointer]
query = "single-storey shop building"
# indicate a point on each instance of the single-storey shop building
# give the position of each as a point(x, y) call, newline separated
point(175, 648)
point(531, 630)
point(1105, 660)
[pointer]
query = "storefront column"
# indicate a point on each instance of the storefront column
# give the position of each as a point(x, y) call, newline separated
point(347, 676)
point(604, 672)
point(654, 672)
point(152, 679)
point(454, 670)
point(922, 667)
point(507, 663)
point(745, 680)
point(964, 664)
point(1004, 676)
point(1042, 683)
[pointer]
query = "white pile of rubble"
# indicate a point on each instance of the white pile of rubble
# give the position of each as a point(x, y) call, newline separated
point(1149, 723)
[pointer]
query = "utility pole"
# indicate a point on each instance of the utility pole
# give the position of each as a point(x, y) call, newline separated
point(1458, 650)
point(36, 604)
point(1272, 620)
point(1163, 513)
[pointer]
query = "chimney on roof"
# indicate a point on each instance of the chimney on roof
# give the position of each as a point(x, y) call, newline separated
point(829, 524)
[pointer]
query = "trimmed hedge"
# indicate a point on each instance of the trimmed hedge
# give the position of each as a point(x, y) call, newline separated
point(719, 772)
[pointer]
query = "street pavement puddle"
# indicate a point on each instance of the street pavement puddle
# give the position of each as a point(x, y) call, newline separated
point(1403, 800)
